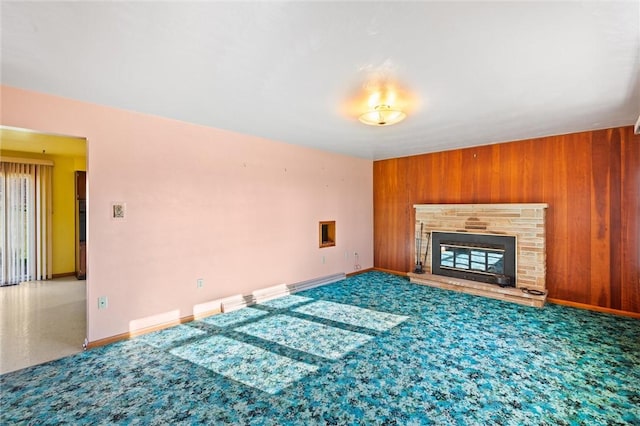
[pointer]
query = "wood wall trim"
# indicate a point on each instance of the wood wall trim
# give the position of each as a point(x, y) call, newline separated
point(146, 330)
point(389, 271)
point(63, 274)
point(595, 308)
point(590, 180)
point(361, 271)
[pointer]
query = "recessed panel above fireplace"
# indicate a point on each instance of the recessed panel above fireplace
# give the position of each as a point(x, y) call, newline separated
point(478, 257)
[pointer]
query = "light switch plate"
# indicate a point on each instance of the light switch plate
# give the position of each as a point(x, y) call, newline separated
point(118, 210)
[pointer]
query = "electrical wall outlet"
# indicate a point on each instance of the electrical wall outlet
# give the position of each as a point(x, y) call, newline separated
point(103, 302)
point(199, 283)
point(324, 260)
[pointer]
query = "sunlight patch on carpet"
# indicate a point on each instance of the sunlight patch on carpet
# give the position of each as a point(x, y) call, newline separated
point(230, 318)
point(169, 337)
point(245, 363)
point(352, 315)
point(307, 336)
point(286, 302)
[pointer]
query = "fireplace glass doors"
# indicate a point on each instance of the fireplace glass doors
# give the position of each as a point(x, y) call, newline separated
point(477, 257)
point(481, 260)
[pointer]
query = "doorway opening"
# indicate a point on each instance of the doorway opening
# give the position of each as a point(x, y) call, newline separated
point(68, 216)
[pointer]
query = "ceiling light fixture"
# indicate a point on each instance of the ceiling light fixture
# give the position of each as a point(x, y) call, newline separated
point(382, 115)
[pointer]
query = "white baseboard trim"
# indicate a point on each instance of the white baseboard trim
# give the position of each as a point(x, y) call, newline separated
point(234, 303)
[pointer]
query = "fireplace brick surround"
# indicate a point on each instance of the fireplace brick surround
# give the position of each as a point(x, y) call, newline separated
point(524, 221)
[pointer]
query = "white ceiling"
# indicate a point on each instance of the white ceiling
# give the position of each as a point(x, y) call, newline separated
point(476, 72)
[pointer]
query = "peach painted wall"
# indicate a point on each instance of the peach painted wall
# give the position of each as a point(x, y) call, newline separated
point(238, 211)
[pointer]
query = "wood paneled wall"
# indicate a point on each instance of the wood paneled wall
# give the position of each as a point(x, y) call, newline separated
point(591, 181)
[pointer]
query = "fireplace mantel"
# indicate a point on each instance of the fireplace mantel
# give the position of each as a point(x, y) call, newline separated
point(525, 221)
point(507, 206)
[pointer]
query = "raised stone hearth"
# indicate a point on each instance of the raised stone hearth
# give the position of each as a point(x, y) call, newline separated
point(509, 294)
point(525, 222)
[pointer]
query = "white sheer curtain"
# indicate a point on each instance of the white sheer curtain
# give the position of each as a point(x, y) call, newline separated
point(25, 216)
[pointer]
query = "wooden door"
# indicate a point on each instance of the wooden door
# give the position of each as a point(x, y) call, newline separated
point(81, 225)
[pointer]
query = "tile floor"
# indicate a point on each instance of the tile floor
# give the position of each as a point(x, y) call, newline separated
point(41, 321)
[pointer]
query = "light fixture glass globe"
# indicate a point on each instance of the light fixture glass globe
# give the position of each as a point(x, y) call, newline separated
point(382, 115)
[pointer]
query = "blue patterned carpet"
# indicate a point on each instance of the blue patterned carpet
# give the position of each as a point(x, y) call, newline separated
point(372, 349)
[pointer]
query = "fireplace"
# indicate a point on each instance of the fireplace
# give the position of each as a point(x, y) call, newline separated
point(477, 257)
point(479, 248)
